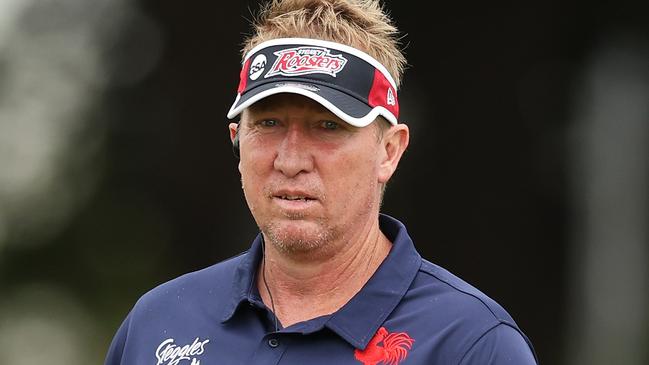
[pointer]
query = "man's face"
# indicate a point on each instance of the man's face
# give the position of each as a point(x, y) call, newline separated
point(309, 178)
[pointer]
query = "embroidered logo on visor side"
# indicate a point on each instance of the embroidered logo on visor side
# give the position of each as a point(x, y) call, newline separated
point(390, 98)
point(258, 66)
point(306, 60)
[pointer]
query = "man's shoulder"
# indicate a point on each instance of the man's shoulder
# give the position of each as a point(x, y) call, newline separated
point(455, 292)
point(208, 283)
point(453, 316)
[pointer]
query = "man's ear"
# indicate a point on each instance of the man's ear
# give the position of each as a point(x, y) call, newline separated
point(234, 137)
point(233, 127)
point(393, 144)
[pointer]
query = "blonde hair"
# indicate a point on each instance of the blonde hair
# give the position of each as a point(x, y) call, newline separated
point(362, 24)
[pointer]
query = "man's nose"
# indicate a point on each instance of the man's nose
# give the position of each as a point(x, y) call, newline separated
point(294, 154)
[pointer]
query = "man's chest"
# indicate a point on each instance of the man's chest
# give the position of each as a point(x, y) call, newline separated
point(230, 346)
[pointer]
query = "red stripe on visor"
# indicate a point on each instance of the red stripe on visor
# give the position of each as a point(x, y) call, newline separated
point(383, 94)
point(243, 77)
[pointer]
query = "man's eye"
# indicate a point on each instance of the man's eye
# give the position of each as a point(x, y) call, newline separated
point(329, 124)
point(268, 123)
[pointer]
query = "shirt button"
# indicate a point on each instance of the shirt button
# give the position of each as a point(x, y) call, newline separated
point(273, 342)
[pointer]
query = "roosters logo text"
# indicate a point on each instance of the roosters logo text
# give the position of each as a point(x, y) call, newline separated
point(168, 353)
point(306, 60)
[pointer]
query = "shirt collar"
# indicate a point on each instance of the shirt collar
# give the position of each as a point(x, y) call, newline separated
point(359, 319)
point(243, 283)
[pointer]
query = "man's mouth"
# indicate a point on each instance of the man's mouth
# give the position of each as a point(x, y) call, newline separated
point(295, 197)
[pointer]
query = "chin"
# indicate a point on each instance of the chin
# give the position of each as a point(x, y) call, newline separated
point(298, 236)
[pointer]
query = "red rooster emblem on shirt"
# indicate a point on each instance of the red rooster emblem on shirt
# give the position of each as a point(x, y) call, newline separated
point(394, 348)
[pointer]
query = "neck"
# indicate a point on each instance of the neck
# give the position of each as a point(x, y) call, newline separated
point(307, 288)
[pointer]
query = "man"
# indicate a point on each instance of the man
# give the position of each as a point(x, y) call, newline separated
point(328, 280)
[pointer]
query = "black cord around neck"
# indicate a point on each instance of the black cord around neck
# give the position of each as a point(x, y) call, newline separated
point(263, 277)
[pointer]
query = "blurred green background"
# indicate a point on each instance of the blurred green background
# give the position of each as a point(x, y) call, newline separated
point(527, 173)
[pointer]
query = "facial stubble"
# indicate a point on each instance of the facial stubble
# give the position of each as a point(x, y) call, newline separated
point(299, 240)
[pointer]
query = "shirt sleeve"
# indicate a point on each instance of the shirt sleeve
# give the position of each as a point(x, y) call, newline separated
point(502, 345)
point(116, 349)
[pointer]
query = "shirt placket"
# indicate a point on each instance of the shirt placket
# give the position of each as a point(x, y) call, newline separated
point(271, 348)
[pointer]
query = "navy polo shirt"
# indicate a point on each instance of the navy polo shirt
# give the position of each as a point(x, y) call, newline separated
point(409, 312)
